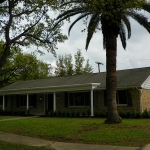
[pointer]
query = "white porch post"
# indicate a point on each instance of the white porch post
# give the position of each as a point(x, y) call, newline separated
point(27, 102)
point(54, 102)
point(92, 113)
point(3, 102)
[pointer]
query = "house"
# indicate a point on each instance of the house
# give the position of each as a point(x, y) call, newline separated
point(78, 93)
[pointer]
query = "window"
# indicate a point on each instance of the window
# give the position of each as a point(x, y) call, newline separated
point(79, 99)
point(22, 100)
point(123, 98)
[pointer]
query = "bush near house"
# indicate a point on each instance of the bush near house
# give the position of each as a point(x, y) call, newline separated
point(97, 114)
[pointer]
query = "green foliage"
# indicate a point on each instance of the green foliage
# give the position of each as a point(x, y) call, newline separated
point(83, 113)
point(73, 113)
point(88, 112)
point(107, 16)
point(28, 23)
point(146, 114)
point(21, 66)
point(65, 66)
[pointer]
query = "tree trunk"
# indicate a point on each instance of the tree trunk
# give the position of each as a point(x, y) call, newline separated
point(111, 78)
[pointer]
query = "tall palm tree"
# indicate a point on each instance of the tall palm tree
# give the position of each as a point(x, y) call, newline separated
point(112, 18)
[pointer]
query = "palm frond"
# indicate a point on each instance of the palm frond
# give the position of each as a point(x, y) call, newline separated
point(79, 18)
point(66, 15)
point(146, 7)
point(141, 19)
point(67, 3)
point(122, 34)
point(126, 21)
point(70, 12)
point(91, 28)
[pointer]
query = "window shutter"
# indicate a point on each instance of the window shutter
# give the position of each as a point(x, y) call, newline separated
point(17, 101)
point(66, 99)
point(90, 99)
point(6, 101)
point(129, 98)
point(35, 100)
point(105, 98)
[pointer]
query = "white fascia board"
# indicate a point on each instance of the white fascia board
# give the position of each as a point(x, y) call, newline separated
point(146, 83)
point(74, 87)
point(120, 88)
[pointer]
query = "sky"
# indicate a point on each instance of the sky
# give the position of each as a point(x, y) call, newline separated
point(136, 55)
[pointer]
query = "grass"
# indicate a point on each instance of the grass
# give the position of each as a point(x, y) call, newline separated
point(131, 132)
point(13, 146)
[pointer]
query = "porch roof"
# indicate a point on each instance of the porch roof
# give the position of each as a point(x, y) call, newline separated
point(125, 78)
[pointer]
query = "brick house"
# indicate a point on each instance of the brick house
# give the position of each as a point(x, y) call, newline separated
point(78, 93)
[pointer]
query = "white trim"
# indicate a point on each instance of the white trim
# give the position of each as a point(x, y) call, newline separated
point(44, 104)
point(74, 87)
point(27, 102)
point(54, 101)
point(146, 83)
point(92, 113)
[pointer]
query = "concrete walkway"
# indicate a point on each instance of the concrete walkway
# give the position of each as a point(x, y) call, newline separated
point(58, 145)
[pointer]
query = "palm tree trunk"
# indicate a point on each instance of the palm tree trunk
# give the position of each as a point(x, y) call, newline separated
point(111, 78)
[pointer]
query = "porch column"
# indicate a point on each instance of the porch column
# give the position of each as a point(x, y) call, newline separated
point(27, 102)
point(3, 102)
point(92, 114)
point(54, 102)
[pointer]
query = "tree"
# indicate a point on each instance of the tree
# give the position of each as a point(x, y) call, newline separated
point(21, 66)
point(27, 23)
point(112, 18)
point(66, 67)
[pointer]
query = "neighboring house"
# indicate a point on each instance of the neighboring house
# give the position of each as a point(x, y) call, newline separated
point(78, 93)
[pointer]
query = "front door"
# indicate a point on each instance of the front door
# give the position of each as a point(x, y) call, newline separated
point(50, 102)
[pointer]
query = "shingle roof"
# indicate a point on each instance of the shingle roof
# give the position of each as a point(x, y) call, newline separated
point(125, 78)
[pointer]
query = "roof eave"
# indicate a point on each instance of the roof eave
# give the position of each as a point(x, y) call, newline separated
point(75, 87)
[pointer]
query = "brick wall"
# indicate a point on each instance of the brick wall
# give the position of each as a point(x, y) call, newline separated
point(145, 99)
point(135, 102)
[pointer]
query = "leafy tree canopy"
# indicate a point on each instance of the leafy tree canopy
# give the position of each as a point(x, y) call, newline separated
point(28, 23)
point(21, 66)
point(66, 67)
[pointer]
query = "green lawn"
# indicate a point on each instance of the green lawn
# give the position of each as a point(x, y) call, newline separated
point(131, 132)
point(13, 146)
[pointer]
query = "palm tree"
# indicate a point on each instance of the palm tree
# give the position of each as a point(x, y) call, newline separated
point(112, 18)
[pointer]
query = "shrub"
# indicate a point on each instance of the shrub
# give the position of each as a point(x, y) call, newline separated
point(128, 114)
point(73, 114)
point(59, 113)
point(83, 113)
point(88, 112)
point(122, 114)
point(102, 114)
point(145, 113)
point(96, 114)
point(137, 115)
point(77, 114)
point(63, 114)
point(68, 114)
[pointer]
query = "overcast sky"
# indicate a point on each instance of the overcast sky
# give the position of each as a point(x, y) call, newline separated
point(136, 55)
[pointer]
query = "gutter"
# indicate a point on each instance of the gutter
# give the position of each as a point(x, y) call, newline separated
point(53, 88)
